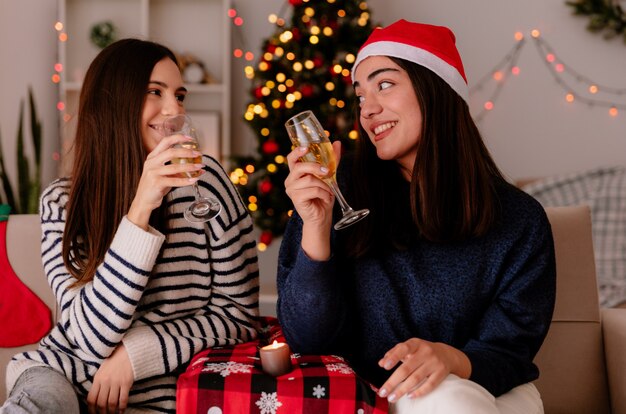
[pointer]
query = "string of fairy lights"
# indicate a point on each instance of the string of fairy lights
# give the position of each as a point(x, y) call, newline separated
point(576, 87)
point(499, 74)
point(593, 88)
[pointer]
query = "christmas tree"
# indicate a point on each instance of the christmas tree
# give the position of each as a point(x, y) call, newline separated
point(304, 65)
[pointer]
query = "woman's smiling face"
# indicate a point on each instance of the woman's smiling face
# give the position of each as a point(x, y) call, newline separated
point(389, 110)
point(164, 98)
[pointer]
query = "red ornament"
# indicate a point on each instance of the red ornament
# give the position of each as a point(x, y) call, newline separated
point(266, 237)
point(306, 90)
point(270, 147)
point(270, 48)
point(296, 2)
point(258, 92)
point(318, 61)
point(296, 34)
point(265, 186)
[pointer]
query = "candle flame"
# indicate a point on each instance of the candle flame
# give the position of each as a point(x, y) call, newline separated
point(275, 344)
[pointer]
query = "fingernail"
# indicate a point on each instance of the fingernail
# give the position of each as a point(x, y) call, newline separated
point(382, 393)
point(324, 170)
point(197, 153)
point(388, 365)
point(392, 398)
point(303, 149)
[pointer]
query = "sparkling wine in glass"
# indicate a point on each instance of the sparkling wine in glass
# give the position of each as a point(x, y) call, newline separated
point(203, 208)
point(306, 131)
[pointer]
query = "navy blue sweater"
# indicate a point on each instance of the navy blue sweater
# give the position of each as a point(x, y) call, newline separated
point(491, 297)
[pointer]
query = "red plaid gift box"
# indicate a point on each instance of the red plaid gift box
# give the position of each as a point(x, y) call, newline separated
point(225, 380)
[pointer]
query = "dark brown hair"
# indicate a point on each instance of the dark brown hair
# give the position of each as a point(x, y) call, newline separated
point(108, 151)
point(453, 183)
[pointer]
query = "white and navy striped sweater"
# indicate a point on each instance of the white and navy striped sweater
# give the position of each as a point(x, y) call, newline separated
point(165, 296)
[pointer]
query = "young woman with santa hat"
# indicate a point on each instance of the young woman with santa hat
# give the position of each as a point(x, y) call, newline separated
point(444, 294)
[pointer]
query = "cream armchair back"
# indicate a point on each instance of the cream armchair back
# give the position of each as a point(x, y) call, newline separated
point(582, 362)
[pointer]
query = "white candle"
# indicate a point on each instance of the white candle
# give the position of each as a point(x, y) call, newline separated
point(276, 358)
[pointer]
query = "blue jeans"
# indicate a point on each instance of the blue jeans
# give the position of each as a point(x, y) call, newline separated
point(41, 390)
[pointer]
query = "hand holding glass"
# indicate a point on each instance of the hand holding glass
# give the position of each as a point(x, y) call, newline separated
point(306, 131)
point(203, 208)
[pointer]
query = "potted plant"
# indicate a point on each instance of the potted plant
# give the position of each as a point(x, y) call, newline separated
point(28, 186)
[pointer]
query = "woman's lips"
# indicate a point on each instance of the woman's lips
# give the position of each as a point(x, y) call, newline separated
point(382, 130)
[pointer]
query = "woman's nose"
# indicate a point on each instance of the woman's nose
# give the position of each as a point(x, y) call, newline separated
point(171, 106)
point(370, 107)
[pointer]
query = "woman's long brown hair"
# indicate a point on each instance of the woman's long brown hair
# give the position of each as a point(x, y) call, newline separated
point(453, 183)
point(108, 151)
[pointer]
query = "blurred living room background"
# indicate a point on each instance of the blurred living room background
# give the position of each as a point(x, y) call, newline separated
point(548, 94)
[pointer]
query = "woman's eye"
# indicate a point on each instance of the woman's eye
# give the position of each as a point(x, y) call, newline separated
point(384, 85)
point(154, 92)
point(181, 98)
point(361, 99)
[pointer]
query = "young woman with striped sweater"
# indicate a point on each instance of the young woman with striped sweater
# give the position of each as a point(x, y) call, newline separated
point(139, 289)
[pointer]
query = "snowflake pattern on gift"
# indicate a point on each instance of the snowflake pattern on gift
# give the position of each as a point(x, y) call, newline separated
point(268, 403)
point(340, 368)
point(227, 368)
point(319, 391)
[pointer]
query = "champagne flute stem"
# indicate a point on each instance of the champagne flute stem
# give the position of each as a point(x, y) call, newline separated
point(332, 183)
point(196, 191)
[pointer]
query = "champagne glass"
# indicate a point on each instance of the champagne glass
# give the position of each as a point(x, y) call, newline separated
point(306, 131)
point(203, 208)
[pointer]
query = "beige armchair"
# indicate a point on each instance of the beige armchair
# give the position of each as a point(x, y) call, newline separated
point(582, 362)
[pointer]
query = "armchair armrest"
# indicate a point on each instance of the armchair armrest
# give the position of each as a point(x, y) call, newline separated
point(614, 332)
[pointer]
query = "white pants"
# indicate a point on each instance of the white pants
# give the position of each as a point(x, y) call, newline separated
point(460, 396)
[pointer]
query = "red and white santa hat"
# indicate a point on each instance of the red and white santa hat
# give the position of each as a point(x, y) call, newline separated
point(430, 46)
